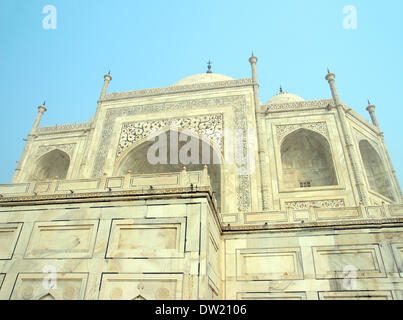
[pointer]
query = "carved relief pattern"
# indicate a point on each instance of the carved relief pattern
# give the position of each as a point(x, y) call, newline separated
point(68, 148)
point(175, 89)
point(298, 205)
point(299, 105)
point(209, 126)
point(319, 127)
point(239, 103)
point(64, 127)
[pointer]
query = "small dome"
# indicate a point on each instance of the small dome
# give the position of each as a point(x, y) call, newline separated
point(202, 78)
point(284, 97)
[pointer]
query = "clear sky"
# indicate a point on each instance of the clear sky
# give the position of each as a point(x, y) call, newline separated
point(148, 44)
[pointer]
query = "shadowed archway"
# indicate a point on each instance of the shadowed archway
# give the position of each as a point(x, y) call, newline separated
point(307, 160)
point(377, 175)
point(52, 165)
point(148, 158)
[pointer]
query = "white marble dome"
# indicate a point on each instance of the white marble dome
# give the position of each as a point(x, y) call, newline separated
point(202, 78)
point(284, 97)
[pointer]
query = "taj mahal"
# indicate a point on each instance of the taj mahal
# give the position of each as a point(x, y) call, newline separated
point(200, 191)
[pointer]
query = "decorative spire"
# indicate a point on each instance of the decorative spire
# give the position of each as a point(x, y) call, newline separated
point(209, 67)
point(328, 71)
point(369, 103)
point(281, 89)
point(109, 73)
point(44, 103)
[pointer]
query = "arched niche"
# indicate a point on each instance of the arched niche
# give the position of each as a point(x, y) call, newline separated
point(307, 160)
point(377, 175)
point(137, 162)
point(52, 165)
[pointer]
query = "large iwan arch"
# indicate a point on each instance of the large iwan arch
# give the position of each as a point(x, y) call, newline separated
point(137, 160)
point(306, 160)
point(377, 175)
point(53, 165)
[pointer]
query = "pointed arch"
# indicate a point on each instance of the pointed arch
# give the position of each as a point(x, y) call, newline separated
point(47, 296)
point(376, 173)
point(138, 162)
point(52, 165)
point(307, 160)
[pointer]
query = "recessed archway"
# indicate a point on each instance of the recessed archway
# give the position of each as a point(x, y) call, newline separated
point(147, 158)
point(377, 175)
point(307, 160)
point(52, 165)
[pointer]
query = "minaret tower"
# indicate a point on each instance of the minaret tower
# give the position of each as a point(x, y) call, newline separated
point(371, 111)
point(362, 193)
point(260, 124)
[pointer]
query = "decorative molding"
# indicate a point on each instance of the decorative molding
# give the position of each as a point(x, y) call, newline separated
point(178, 89)
point(64, 127)
point(327, 203)
point(240, 122)
point(284, 130)
point(209, 126)
point(291, 106)
point(68, 148)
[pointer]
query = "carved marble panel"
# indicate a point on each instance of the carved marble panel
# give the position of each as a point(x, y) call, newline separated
point(269, 264)
point(62, 239)
point(9, 234)
point(146, 238)
point(141, 286)
point(42, 286)
point(334, 262)
point(397, 249)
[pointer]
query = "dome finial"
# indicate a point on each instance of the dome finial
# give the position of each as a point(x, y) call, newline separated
point(209, 67)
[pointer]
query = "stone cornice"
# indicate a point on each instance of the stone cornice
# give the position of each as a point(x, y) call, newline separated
point(125, 195)
point(334, 225)
point(298, 105)
point(63, 128)
point(178, 89)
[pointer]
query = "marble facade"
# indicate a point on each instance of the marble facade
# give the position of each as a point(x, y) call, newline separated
point(303, 204)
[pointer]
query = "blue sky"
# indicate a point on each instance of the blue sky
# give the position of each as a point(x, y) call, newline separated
point(149, 44)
